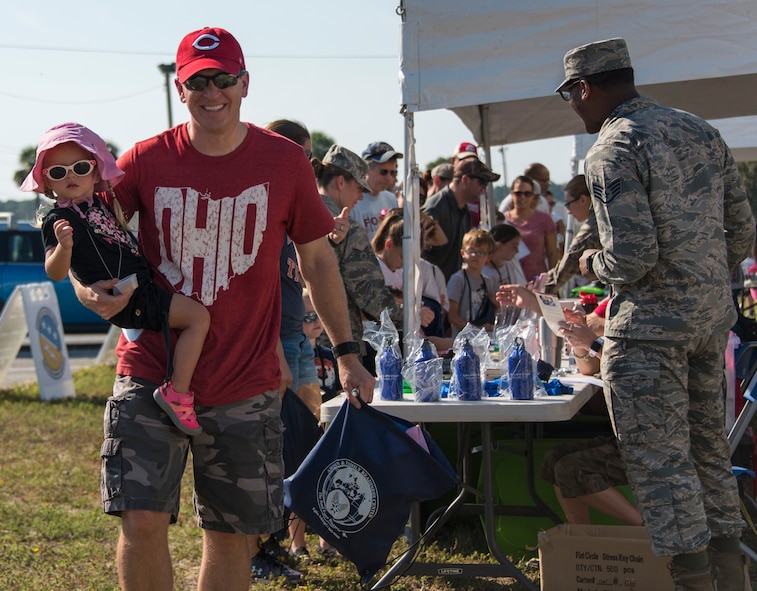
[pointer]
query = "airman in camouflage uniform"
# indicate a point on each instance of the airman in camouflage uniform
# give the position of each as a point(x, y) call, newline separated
point(673, 220)
point(367, 294)
point(587, 237)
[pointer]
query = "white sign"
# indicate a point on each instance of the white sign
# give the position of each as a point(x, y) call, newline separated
point(47, 341)
point(12, 331)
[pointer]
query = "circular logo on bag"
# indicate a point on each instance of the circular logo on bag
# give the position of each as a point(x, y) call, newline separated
point(50, 343)
point(348, 495)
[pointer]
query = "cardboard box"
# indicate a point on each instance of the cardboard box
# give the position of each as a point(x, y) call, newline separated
point(600, 558)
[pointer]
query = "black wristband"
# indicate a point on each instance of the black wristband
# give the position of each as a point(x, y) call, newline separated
point(345, 349)
point(596, 346)
point(590, 263)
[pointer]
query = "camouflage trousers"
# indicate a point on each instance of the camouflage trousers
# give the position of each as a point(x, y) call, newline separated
point(237, 460)
point(584, 467)
point(667, 406)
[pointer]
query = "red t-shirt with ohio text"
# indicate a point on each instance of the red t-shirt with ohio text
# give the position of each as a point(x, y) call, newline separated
point(212, 228)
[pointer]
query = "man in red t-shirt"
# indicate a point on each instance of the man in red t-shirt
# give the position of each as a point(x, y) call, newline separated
point(215, 197)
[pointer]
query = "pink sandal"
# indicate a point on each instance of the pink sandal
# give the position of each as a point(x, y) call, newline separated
point(179, 408)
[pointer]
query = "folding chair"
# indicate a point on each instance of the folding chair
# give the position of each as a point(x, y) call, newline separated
point(746, 369)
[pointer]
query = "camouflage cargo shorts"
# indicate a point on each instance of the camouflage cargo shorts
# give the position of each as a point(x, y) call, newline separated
point(237, 460)
point(584, 467)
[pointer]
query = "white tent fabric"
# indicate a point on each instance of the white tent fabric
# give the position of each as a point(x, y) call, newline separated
point(502, 59)
point(496, 63)
point(740, 133)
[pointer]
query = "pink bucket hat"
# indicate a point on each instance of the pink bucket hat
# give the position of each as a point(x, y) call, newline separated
point(84, 137)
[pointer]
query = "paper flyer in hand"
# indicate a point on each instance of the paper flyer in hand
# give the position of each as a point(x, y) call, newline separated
point(552, 311)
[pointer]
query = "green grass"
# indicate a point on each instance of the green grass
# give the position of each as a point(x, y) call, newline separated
point(53, 534)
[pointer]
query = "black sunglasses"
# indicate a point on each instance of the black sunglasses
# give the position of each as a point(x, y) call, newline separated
point(565, 92)
point(221, 80)
point(385, 172)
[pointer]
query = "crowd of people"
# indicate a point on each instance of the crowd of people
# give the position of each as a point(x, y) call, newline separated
point(660, 217)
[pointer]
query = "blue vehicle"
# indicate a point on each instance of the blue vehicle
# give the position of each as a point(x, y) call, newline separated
point(22, 261)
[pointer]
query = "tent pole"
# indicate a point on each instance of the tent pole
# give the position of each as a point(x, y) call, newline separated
point(487, 199)
point(411, 287)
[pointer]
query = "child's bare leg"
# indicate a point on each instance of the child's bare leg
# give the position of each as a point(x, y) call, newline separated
point(193, 319)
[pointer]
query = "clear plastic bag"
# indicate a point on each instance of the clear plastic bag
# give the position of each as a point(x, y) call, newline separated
point(526, 330)
point(424, 371)
point(384, 338)
point(478, 339)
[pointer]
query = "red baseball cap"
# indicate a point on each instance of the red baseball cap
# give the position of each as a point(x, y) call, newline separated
point(210, 47)
point(466, 150)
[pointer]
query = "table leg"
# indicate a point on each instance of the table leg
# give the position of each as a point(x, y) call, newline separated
point(406, 565)
point(530, 475)
point(489, 515)
point(405, 562)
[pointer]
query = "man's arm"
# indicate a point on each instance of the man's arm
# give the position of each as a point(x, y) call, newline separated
point(319, 269)
point(627, 229)
point(287, 379)
point(363, 280)
point(738, 221)
point(99, 298)
point(587, 237)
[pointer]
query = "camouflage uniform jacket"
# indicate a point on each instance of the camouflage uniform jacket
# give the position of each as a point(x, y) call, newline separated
point(587, 237)
point(367, 294)
point(673, 220)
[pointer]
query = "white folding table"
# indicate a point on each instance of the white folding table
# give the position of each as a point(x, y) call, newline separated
point(466, 413)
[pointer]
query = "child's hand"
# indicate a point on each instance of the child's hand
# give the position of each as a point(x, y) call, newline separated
point(64, 233)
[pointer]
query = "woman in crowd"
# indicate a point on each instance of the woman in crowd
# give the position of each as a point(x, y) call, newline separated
point(536, 228)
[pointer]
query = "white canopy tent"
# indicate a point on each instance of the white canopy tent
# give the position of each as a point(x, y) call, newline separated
point(740, 133)
point(496, 63)
point(505, 57)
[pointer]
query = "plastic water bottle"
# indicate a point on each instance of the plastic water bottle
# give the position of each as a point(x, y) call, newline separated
point(468, 371)
point(390, 367)
point(521, 372)
point(428, 376)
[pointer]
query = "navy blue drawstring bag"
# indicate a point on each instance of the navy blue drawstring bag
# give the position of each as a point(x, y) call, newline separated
point(356, 488)
point(301, 431)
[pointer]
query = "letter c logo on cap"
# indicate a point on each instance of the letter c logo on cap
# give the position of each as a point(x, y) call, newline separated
point(206, 42)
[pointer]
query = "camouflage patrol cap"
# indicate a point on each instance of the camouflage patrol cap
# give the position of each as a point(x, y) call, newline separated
point(593, 58)
point(349, 162)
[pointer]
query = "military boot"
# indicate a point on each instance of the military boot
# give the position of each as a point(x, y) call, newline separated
point(730, 570)
point(691, 580)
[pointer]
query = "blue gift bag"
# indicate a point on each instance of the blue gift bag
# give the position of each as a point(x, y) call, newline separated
point(356, 487)
point(301, 431)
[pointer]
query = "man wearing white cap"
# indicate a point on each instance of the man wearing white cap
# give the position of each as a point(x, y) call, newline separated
point(382, 177)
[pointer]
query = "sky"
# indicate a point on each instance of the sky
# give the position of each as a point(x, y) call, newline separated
point(333, 65)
